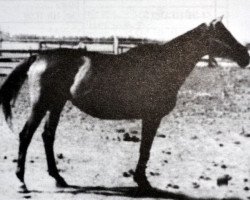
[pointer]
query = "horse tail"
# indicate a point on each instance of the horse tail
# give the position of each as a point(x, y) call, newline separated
point(11, 86)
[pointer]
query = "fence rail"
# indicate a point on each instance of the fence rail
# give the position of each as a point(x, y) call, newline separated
point(9, 58)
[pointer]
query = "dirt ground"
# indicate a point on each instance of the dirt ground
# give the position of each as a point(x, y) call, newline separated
point(201, 150)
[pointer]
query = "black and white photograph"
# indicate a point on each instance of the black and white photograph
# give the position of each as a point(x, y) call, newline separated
point(125, 99)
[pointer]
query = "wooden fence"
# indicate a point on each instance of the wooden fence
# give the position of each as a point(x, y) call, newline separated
point(9, 58)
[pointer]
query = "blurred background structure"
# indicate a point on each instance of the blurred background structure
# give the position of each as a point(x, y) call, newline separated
point(109, 26)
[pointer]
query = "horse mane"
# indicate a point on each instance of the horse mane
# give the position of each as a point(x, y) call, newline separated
point(149, 49)
point(190, 35)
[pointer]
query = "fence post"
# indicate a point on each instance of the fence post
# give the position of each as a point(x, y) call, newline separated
point(116, 45)
point(1, 45)
point(40, 45)
point(1, 42)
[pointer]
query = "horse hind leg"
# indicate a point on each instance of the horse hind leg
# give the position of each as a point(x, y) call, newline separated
point(48, 139)
point(37, 113)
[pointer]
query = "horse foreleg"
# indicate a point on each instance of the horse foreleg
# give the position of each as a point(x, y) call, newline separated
point(48, 138)
point(25, 137)
point(212, 62)
point(149, 129)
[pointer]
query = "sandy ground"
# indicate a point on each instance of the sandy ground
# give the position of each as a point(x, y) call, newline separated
point(201, 149)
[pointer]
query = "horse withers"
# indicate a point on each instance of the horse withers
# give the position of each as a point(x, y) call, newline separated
point(140, 84)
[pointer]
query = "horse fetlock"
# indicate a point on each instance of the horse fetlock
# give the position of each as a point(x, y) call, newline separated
point(141, 180)
point(59, 179)
point(53, 173)
point(60, 182)
point(20, 174)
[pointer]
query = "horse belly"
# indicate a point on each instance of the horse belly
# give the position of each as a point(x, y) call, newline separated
point(108, 104)
point(105, 107)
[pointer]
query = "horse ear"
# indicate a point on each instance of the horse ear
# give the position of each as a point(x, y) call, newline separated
point(216, 20)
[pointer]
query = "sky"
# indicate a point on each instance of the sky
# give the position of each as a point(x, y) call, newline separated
point(158, 19)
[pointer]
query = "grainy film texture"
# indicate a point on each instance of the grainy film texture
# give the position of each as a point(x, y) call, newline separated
point(106, 78)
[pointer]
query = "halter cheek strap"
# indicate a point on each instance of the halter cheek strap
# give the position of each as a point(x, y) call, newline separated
point(219, 43)
point(212, 62)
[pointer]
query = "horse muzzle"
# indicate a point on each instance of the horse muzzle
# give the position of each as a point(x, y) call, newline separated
point(243, 60)
point(243, 63)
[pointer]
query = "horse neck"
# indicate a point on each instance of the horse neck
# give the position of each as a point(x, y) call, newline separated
point(180, 57)
point(186, 50)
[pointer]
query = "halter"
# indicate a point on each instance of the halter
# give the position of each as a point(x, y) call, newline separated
point(211, 39)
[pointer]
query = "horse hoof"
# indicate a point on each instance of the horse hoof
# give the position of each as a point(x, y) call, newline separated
point(143, 183)
point(61, 183)
point(145, 187)
point(23, 188)
point(143, 190)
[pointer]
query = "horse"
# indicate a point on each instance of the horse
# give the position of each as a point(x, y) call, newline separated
point(141, 83)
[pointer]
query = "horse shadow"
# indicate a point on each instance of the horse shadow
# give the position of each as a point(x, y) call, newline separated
point(132, 192)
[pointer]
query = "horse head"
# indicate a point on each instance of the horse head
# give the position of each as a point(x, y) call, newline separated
point(221, 43)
